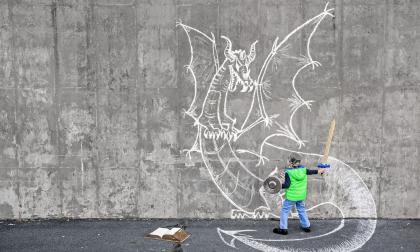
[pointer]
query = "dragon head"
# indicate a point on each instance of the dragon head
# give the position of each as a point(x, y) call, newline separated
point(238, 62)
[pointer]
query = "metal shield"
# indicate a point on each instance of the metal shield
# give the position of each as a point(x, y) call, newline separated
point(272, 185)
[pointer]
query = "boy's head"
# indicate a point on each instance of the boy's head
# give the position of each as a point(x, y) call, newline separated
point(294, 160)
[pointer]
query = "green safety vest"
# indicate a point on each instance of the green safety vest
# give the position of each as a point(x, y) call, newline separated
point(298, 184)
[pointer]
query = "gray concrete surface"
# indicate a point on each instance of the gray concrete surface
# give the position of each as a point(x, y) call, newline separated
point(92, 95)
point(127, 235)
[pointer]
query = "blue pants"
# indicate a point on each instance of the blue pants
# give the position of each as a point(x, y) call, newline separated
point(300, 207)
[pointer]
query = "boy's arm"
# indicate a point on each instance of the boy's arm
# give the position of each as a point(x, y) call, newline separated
point(312, 172)
point(286, 183)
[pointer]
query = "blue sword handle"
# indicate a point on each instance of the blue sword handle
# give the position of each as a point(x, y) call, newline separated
point(322, 165)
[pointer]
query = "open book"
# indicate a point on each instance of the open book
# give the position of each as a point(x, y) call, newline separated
point(175, 234)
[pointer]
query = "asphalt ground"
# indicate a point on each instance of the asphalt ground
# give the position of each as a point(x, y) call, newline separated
point(128, 235)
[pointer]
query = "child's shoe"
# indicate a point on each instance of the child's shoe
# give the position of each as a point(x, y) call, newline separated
point(306, 230)
point(280, 231)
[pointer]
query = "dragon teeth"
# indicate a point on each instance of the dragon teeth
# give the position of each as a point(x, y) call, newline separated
point(230, 136)
point(220, 134)
point(212, 135)
point(244, 89)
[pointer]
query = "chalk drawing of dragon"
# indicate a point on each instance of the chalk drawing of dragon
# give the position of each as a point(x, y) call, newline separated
point(223, 134)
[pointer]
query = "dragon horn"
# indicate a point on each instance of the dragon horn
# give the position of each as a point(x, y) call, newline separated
point(228, 50)
point(251, 55)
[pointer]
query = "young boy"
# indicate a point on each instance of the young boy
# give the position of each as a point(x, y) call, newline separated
point(295, 184)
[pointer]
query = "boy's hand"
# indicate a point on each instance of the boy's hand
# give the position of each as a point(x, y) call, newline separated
point(321, 171)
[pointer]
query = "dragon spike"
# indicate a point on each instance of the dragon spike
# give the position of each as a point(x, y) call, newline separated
point(228, 50)
point(251, 55)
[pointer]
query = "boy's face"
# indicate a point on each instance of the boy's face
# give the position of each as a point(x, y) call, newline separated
point(293, 163)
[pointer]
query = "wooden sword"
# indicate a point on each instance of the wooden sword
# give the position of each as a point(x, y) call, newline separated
point(327, 147)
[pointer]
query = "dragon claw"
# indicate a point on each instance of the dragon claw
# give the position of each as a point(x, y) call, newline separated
point(315, 63)
point(261, 160)
point(268, 120)
point(308, 104)
point(189, 151)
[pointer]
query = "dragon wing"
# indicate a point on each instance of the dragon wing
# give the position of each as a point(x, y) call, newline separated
point(202, 65)
point(290, 56)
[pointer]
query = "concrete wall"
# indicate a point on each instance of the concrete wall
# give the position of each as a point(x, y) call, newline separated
point(92, 95)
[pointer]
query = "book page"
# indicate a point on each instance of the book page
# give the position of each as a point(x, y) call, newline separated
point(173, 231)
point(164, 231)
